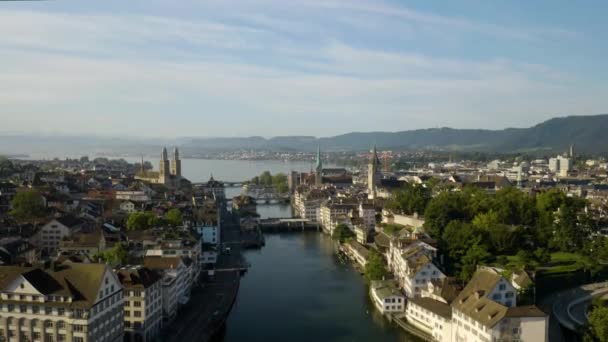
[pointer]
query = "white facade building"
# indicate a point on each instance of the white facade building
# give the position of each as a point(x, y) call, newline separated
point(61, 302)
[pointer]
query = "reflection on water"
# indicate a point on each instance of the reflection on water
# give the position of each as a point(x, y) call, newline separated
point(298, 290)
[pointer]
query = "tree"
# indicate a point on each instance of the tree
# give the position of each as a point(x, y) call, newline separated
point(116, 256)
point(410, 199)
point(485, 221)
point(476, 255)
point(514, 207)
point(598, 324)
point(342, 233)
point(266, 178)
point(28, 206)
point(375, 268)
point(503, 238)
point(457, 238)
point(174, 217)
point(443, 208)
point(279, 181)
point(142, 221)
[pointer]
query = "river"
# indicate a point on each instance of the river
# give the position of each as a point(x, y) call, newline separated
point(298, 290)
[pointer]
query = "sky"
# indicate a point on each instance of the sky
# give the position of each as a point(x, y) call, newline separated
point(152, 68)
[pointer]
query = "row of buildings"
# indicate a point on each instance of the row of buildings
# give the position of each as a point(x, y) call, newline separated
point(419, 294)
point(78, 273)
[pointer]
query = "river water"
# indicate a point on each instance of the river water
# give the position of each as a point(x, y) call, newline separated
point(298, 290)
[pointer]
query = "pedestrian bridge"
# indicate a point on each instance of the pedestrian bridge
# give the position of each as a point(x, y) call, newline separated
point(285, 224)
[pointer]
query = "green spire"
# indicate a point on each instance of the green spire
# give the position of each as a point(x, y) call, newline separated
point(375, 159)
point(319, 165)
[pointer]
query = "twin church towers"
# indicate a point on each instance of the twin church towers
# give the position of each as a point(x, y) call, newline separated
point(169, 168)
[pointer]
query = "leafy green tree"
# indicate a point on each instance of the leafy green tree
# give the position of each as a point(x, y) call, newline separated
point(28, 206)
point(476, 255)
point(6, 167)
point(443, 208)
point(542, 255)
point(484, 221)
point(410, 199)
point(525, 258)
point(457, 238)
point(342, 233)
point(514, 207)
point(174, 217)
point(598, 324)
point(142, 221)
point(116, 256)
point(266, 178)
point(375, 269)
point(279, 181)
point(503, 238)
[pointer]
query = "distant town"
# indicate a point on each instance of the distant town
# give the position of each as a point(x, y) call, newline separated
point(452, 247)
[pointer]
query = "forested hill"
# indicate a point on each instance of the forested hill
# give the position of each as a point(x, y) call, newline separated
point(588, 133)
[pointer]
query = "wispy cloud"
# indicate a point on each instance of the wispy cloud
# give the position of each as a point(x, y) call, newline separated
point(67, 69)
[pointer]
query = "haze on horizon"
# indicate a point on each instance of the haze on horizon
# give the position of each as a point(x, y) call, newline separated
point(299, 67)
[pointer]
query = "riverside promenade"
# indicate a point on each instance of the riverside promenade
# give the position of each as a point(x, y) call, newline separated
point(209, 306)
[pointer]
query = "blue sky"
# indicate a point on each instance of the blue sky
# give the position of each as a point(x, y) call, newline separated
point(310, 67)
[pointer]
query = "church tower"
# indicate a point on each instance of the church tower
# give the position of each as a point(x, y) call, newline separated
point(373, 177)
point(164, 170)
point(319, 168)
point(176, 164)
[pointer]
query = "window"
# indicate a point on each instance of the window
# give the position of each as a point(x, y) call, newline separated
point(502, 287)
point(78, 328)
point(127, 313)
point(35, 309)
point(78, 339)
point(48, 310)
point(22, 308)
point(22, 285)
point(61, 338)
point(61, 311)
point(48, 324)
point(137, 304)
point(61, 325)
point(137, 313)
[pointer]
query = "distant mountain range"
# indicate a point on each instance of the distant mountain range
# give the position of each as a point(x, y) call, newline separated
point(589, 134)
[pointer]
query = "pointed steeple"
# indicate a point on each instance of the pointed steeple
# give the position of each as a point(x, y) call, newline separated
point(163, 155)
point(375, 159)
point(175, 153)
point(319, 164)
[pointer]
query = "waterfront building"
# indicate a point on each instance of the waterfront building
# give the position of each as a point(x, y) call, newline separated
point(413, 266)
point(169, 172)
point(356, 252)
point(387, 297)
point(335, 212)
point(175, 287)
point(142, 302)
point(431, 312)
point(367, 212)
point(487, 310)
point(307, 203)
point(61, 302)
